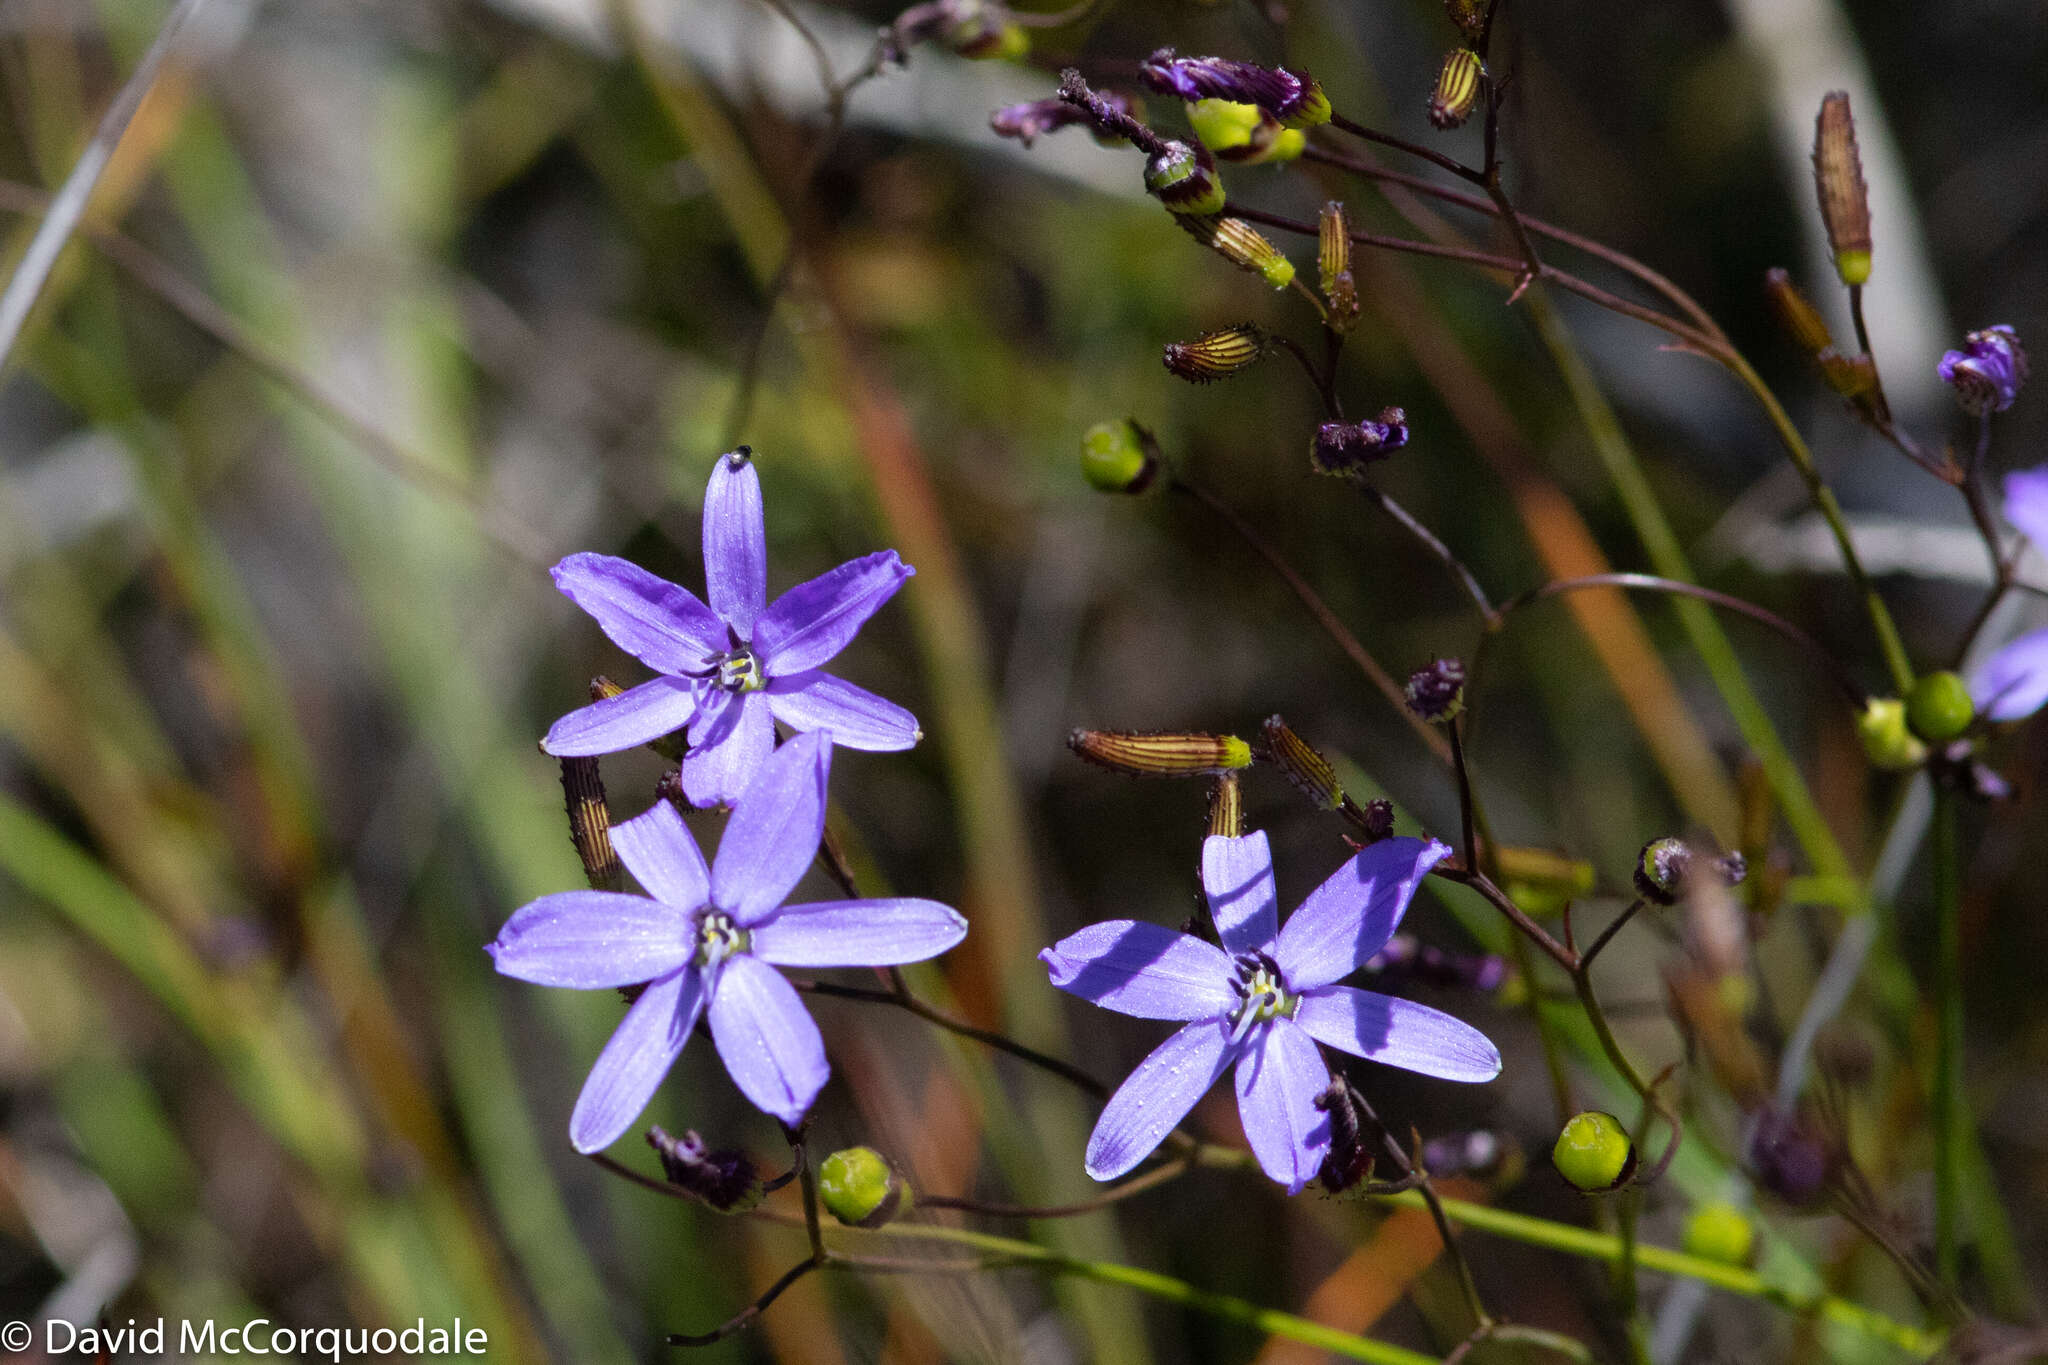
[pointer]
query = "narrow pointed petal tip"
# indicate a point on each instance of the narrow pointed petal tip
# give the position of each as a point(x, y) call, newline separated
point(590, 940)
point(658, 622)
point(1383, 1028)
point(1352, 915)
point(856, 718)
point(735, 542)
point(813, 621)
point(1278, 1079)
point(632, 1065)
point(1156, 1096)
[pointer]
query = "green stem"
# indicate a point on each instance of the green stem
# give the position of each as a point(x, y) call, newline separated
point(1951, 1138)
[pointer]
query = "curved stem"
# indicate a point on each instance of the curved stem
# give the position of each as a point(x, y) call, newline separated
point(903, 1000)
point(1153, 1178)
point(744, 1319)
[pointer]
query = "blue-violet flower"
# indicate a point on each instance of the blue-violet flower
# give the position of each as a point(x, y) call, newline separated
point(1987, 373)
point(2013, 683)
point(1263, 1000)
point(706, 942)
point(730, 670)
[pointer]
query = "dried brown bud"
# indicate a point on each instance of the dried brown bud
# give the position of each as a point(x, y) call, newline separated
point(1226, 806)
point(1796, 313)
point(1334, 259)
point(590, 822)
point(1458, 86)
point(1217, 355)
point(1838, 180)
point(1161, 755)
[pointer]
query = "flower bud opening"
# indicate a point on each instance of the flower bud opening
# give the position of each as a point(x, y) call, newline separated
point(1987, 373)
point(1661, 870)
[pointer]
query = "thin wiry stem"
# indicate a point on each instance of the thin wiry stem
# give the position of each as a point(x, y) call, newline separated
point(740, 1321)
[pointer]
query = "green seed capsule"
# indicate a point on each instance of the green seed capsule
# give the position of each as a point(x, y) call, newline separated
point(1886, 740)
point(1939, 707)
point(1594, 1152)
point(1117, 457)
point(1719, 1231)
point(859, 1187)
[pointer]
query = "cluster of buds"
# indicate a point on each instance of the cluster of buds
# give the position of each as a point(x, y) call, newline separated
point(1244, 133)
point(1347, 447)
point(1217, 355)
point(1458, 88)
point(976, 29)
point(723, 1180)
point(1294, 100)
point(1987, 373)
point(1407, 959)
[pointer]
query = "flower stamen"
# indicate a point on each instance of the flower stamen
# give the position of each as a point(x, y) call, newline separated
point(1262, 992)
point(718, 938)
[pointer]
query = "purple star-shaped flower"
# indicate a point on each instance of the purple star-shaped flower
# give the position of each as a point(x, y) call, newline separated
point(707, 942)
point(730, 670)
point(2013, 683)
point(1987, 373)
point(1263, 1001)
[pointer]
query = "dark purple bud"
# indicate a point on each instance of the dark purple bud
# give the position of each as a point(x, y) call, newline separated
point(1790, 1157)
point(1987, 373)
point(1437, 693)
point(1378, 821)
point(726, 1180)
point(1294, 99)
point(1349, 1162)
point(1342, 447)
point(1406, 959)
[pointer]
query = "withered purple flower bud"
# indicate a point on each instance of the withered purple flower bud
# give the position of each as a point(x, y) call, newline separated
point(1838, 180)
point(1029, 121)
point(1437, 693)
point(1294, 99)
point(725, 1179)
point(1661, 870)
point(1342, 447)
point(1378, 821)
point(1790, 1157)
point(1407, 959)
point(1987, 373)
point(1458, 86)
point(1349, 1163)
point(1218, 354)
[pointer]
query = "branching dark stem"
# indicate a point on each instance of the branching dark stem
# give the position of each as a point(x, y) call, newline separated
point(1471, 844)
point(1643, 582)
point(903, 1000)
point(1159, 1175)
point(1606, 935)
point(1534, 932)
point(740, 1321)
point(1381, 680)
point(1412, 1170)
point(1459, 571)
point(1416, 149)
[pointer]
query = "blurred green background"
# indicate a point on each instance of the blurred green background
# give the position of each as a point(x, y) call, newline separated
point(385, 305)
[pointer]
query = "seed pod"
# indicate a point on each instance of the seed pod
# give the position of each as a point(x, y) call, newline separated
point(1184, 179)
point(1243, 246)
point(859, 1187)
point(1939, 709)
point(1458, 87)
point(1838, 180)
point(1333, 257)
point(1594, 1152)
point(1161, 754)
point(1796, 313)
point(1887, 743)
point(1119, 457)
point(1217, 355)
point(1719, 1231)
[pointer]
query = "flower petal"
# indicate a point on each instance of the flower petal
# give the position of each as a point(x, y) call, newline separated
point(728, 753)
point(814, 621)
point(2013, 683)
point(1352, 915)
point(1278, 1079)
point(2026, 504)
point(629, 1070)
point(766, 1039)
point(1400, 1033)
point(1154, 1098)
point(774, 831)
point(1237, 877)
point(660, 852)
point(735, 543)
point(653, 709)
point(657, 622)
point(1136, 967)
point(856, 717)
point(872, 933)
point(592, 939)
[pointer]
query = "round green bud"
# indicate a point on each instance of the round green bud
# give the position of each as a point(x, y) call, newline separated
point(1116, 457)
point(1594, 1152)
point(1939, 708)
point(1886, 741)
point(859, 1187)
point(1718, 1231)
point(1224, 125)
